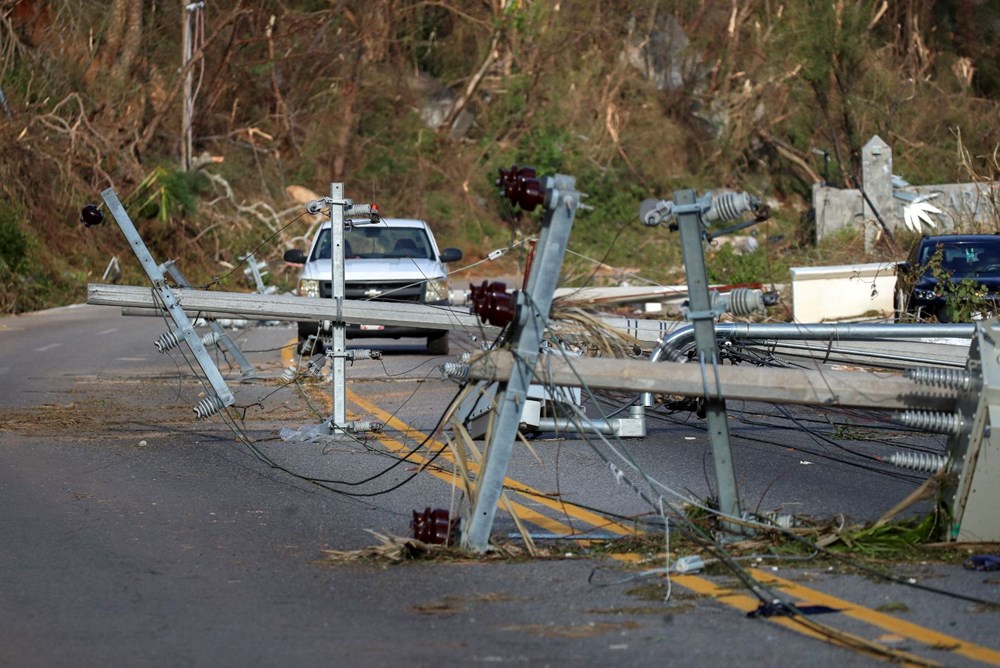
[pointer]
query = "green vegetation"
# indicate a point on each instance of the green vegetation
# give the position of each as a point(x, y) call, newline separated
point(635, 101)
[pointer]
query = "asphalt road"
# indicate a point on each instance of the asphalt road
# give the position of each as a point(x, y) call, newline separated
point(131, 534)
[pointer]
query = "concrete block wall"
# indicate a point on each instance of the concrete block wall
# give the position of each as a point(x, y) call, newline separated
point(964, 206)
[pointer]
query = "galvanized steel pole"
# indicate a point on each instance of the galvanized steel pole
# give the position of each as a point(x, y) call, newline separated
point(700, 313)
point(531, 321)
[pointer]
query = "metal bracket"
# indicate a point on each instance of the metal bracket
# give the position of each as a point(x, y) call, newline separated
point(974, 495)
point(224, 340)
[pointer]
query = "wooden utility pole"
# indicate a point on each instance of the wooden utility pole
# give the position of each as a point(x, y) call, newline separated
point(187, 47)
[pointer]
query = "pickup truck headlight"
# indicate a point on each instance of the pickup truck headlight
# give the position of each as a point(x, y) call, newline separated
point(308, 287)
point(436, 290)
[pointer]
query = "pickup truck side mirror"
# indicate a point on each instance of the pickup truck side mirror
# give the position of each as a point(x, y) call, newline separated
point(451, 255)
point(295, 256)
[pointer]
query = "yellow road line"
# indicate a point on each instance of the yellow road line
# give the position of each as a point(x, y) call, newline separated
point(746, 604)
point(742, 602)
point(595, 520)
point(880, 619)
point(523, 512)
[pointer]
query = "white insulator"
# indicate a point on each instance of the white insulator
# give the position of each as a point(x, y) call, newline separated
point(364, 354)
point(959, 379)
point(455, 370)
point(746, 301)
point(210, 339)
point(359, 211)
point(208, 406)
point(288, 375)
point(921, 461)
point(939, 422)
point(362, 426)
point(728, 206)
point(168, 340)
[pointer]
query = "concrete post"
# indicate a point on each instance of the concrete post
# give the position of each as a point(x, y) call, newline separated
point(876, 178)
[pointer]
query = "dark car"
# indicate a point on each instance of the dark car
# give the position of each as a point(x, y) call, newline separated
point(975, 257)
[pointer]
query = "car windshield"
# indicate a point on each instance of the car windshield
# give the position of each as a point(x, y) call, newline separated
point(963, 259)
point(377, 241)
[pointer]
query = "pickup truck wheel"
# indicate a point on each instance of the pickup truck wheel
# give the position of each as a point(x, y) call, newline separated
point(437, 344)
point(307, 345)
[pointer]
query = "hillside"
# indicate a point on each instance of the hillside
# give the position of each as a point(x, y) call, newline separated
point(415, 105)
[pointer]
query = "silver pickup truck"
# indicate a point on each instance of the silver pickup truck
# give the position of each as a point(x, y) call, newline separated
point(396, 260)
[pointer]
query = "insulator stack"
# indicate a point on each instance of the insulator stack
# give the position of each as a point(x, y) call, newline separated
point(434, 526)
point(364, 354)
point(210, 339)
point(921, 461)
point(168, 340)
point(522, 187)
point(315, 366)
point(455, 370)
point(288, 375)
point(729, 206)
point(746, 301)
point(364, 426)
point(942, 423)
point(492, 303)
point(208, 406)
point(959, 379)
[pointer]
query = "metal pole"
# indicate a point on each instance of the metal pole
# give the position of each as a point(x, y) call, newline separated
point(703, 319)
point(339, 387)
point(225, 341)
point(534, 304)
point(223, 396)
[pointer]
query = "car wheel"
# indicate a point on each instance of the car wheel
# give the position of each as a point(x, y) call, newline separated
point(310, 342)
point(437, 344)
point(307, 329)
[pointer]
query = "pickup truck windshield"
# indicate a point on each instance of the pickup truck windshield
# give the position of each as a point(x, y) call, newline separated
point(376, 241)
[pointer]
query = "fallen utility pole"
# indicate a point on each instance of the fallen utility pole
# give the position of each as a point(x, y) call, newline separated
point(165, 299)
point(289, 307)
point(219, 334)
point(856, 389)
point(528, 323)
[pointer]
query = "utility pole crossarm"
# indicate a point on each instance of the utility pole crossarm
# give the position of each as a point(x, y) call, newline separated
point(290, 307)
point(791, 386)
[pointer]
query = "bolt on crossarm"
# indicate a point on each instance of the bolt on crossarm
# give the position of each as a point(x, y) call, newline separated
point(559, 196)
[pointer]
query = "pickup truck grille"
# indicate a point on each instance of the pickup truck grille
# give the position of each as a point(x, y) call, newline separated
point(386, 291)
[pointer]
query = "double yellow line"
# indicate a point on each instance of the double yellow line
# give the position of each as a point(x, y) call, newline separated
point(740, 601)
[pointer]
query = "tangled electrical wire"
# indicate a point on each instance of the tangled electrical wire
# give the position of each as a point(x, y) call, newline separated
point(666, 504)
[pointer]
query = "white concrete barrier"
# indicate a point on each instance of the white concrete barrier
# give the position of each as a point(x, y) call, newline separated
point(825, 294)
